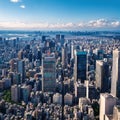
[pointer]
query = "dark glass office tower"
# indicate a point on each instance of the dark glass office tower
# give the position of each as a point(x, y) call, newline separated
point(80, 65)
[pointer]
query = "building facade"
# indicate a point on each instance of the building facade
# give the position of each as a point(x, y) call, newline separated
point(107, 102)
point(48, 73)
point(115, 84)
point(102, 75)
point(80, 66)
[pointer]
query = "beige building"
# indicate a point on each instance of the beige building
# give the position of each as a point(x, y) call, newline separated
point(116, 112)
point(115, 84)
point(68, 99)
point(107, 102)
point(57, 98)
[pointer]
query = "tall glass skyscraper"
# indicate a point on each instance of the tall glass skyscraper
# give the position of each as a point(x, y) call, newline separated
point(80, 65)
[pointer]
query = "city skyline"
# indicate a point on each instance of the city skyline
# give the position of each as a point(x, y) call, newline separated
point(59, 15)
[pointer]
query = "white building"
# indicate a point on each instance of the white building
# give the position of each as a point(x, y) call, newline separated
point(115, 84)
point(107, 102)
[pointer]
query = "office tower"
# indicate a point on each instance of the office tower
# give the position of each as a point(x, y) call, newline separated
point(80, 66)
point(90, 89)
point(15, 93)
point(12, 65)
point(30, 56)
point(80, 90)
point(99, 54)
point(48, 73)
point(43, 39)
point(65, 55)
point(72, 51)
point(115, 84)
point(107, 103)
point(21, 69)
point(62, 41)
point(93, 93)
point(116, 112)
point(16, 78)
point(58, 38)
point(102, 75)
point(25, 93)
point(39, 54)
point(20, 54)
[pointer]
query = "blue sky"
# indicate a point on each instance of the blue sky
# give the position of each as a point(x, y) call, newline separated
point(60, 14)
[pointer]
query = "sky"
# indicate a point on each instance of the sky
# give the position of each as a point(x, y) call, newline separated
point(60, 14)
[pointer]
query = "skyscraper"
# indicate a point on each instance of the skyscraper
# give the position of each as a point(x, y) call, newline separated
point(72, 50)
point(15, 93)
point(102, 75)
point(62, 41)
point(25, 91)
point(80, 66)
point(107, 103)
point(21, 69)
point(115, 85)
point(58, 37)
point(48, 73)
point(64, 55)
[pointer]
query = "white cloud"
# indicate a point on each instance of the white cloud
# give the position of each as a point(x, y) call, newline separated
point(115, 24)
point(14, 1)
point(22, 6)
point(100, 23)
point(81, 24)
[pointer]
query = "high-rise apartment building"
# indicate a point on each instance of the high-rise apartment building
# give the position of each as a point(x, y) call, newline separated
point(48, 73)
point(115, 84)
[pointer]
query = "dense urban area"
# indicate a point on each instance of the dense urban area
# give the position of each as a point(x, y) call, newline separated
point(59, 75)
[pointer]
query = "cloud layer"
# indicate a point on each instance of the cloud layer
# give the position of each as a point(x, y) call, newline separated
point(93, 24)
